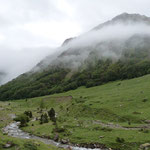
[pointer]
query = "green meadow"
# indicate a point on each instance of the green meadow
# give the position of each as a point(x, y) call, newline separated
point(116, 114)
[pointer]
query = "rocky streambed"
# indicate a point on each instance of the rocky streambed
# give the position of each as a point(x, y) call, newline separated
point(14, 131)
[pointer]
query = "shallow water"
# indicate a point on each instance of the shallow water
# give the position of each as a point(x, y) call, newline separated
point(14, 131)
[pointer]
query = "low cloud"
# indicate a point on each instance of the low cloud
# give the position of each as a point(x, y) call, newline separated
point(107, 42)
point(14, 62)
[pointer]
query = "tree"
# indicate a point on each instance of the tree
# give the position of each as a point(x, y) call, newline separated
point(23, 119)
point(44, 118)
point(51, 114)
point(28, 113)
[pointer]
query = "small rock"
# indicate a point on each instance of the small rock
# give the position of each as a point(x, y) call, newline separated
point(101, 137)
point(36, 143)
point(145, 146)
point(8, 145)
point(147, 121)
point(69, 148)
point(64, 141)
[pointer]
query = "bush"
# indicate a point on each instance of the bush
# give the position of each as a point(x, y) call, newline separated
point(120, 140)
point(144, 100)
point(23, 119)
point(59, 130)
point(28, 113)
point(51, 114)
point(44, 119)
point(30, 146)
point(144, 130)
point(106, 129)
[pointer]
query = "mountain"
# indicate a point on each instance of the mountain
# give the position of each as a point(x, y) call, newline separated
point(115, 50)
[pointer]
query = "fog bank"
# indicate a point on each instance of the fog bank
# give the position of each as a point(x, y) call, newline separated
point(107, 42)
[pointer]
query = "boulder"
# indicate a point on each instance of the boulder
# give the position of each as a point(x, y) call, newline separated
point(64, 141)
point(147, 121)
point(69, 148)
point(8, 145)
point(144, 146)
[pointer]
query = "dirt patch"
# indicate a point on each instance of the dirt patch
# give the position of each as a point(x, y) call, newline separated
point(117, 126)
point(64, 98)
point(59, 99)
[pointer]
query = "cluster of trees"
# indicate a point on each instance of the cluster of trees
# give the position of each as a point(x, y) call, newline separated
point(133, 63)
point(24, 118)
point(27, 115)
point(109, 72)
point(51, 115)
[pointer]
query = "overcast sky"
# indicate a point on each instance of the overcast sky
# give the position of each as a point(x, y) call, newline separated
point(29, 29)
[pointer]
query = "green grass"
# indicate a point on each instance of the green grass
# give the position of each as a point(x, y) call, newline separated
point(117, 102)
point(19, 144)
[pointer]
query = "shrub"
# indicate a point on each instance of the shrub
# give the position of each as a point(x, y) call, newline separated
point(44, 118)
point(28, 113)
point(51, 114)
point(120, 140)
point(144, 130)
point(30, 146)
point(23, 119)
point(58, 129)
point(144, 100)
point(106, 129)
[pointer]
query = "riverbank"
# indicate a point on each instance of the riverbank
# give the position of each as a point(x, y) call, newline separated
point(14, 131)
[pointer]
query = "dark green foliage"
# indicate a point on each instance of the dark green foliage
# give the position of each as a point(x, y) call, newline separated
point(23, 119)
point(44, 118)
point(33, 84)
point(51, 114)
point(144, 130)
point(58, 130)
point(106, 129)
point(28, 113)
point(144, 100)
point(120, 140)
point(30, 146)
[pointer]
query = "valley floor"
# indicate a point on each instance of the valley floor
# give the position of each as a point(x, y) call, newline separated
point(116, 115)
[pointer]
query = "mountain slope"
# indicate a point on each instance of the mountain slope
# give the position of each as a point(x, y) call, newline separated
point(117, 49)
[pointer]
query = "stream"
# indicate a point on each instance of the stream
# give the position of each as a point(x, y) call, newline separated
point(14, 131)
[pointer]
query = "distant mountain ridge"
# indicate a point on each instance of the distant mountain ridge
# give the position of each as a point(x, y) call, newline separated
point(127, 19)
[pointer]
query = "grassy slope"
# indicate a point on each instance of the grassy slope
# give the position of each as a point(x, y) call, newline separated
point(118, 102)
point(20, 144)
